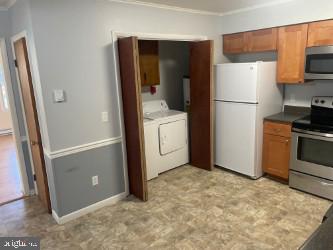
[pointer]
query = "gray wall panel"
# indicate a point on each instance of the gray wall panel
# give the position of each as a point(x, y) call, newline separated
point(73, 177)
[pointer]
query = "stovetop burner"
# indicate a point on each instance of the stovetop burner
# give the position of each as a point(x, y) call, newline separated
point(306, 123)
point(321, 118)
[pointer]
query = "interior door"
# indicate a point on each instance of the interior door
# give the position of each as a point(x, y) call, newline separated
point(29, 103)
point(133, 118)
point(201, 109)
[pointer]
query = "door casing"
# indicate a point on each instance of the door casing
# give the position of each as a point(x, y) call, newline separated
point(142, 36)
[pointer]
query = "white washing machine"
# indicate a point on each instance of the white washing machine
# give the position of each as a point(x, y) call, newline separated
point(166, 138)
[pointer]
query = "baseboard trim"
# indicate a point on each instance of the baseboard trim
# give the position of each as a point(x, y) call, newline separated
point(81, 148)
point(32, 192)
point(6, 132)
point(72, 216)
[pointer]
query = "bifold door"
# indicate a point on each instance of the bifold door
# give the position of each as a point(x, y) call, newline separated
point(201, 109)
point(133, 117)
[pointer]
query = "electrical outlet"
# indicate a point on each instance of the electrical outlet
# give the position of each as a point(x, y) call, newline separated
point(105, 117)
point(94, 180)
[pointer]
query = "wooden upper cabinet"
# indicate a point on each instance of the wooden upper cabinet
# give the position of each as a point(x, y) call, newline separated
point(234, 43)
point(149, 63)
point(320, 33)
point(261, 40)
point(252, 41)
point(292, 42)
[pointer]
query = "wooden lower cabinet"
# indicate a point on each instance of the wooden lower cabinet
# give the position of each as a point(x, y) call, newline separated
point(276, 155)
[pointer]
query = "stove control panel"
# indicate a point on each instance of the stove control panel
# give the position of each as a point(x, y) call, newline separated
point(322, 101)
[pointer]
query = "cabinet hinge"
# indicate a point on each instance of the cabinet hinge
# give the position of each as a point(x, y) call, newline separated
point(16, 64)
point(35, 178)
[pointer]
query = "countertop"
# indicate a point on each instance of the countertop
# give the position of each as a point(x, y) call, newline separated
point(322, 238)
point(289, 115)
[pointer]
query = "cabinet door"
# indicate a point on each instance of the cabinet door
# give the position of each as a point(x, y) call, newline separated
point(291, 53)
point(149, 63)
point(276, 155)
point(320, 33)
point(234, 43)
point(262, 40)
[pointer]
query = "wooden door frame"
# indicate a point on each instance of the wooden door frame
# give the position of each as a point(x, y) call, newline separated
point(16, 132)
point(141, 36)
point(32, 57)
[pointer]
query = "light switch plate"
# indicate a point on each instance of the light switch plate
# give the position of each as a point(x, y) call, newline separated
point(58, 95)
point(94, 180)
point(105, 116)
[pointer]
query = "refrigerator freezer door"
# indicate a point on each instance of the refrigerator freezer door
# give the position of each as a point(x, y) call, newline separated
point(237, 82)
point(236, 137)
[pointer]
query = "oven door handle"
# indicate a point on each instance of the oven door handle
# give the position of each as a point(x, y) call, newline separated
point(312, 133)
point(323, 183)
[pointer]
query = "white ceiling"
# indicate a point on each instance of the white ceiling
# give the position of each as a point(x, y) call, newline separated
point(5, 4)
point(210, 6)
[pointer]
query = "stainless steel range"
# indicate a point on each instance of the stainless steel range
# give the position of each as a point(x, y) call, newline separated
point(312, 150)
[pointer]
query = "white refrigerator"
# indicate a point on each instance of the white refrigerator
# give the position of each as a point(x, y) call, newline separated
point(245, 94)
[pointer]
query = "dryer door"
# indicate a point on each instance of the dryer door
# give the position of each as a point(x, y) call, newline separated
point(173, 136)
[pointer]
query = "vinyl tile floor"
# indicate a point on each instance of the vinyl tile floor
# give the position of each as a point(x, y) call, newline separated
point(188, 208)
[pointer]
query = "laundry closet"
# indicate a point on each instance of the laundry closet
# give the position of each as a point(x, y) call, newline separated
point(162, 130)
point(164, 67)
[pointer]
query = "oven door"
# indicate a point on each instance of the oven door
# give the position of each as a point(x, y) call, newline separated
point(319, 63)
point(312, 153)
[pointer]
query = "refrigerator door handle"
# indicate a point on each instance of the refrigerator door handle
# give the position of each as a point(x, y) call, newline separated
point(240, 102)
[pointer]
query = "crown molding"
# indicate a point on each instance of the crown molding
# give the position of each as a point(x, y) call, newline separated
point(168, 7)
point(10, 3)
point(194, 11)
point(255, 7)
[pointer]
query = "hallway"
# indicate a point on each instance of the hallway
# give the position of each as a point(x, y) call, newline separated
point(10, 188)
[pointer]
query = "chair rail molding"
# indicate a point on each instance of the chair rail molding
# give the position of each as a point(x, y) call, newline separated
point(83, 147)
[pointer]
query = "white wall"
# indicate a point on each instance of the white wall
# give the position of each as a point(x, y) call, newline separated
point(292, 12)
point(296, 11)
point(74, 51)
point(301, 95)
point(174, 64)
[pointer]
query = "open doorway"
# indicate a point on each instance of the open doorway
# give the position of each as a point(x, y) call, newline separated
point(166, 114)
point(25, 142)
point(32, 126)
point(11, 187)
